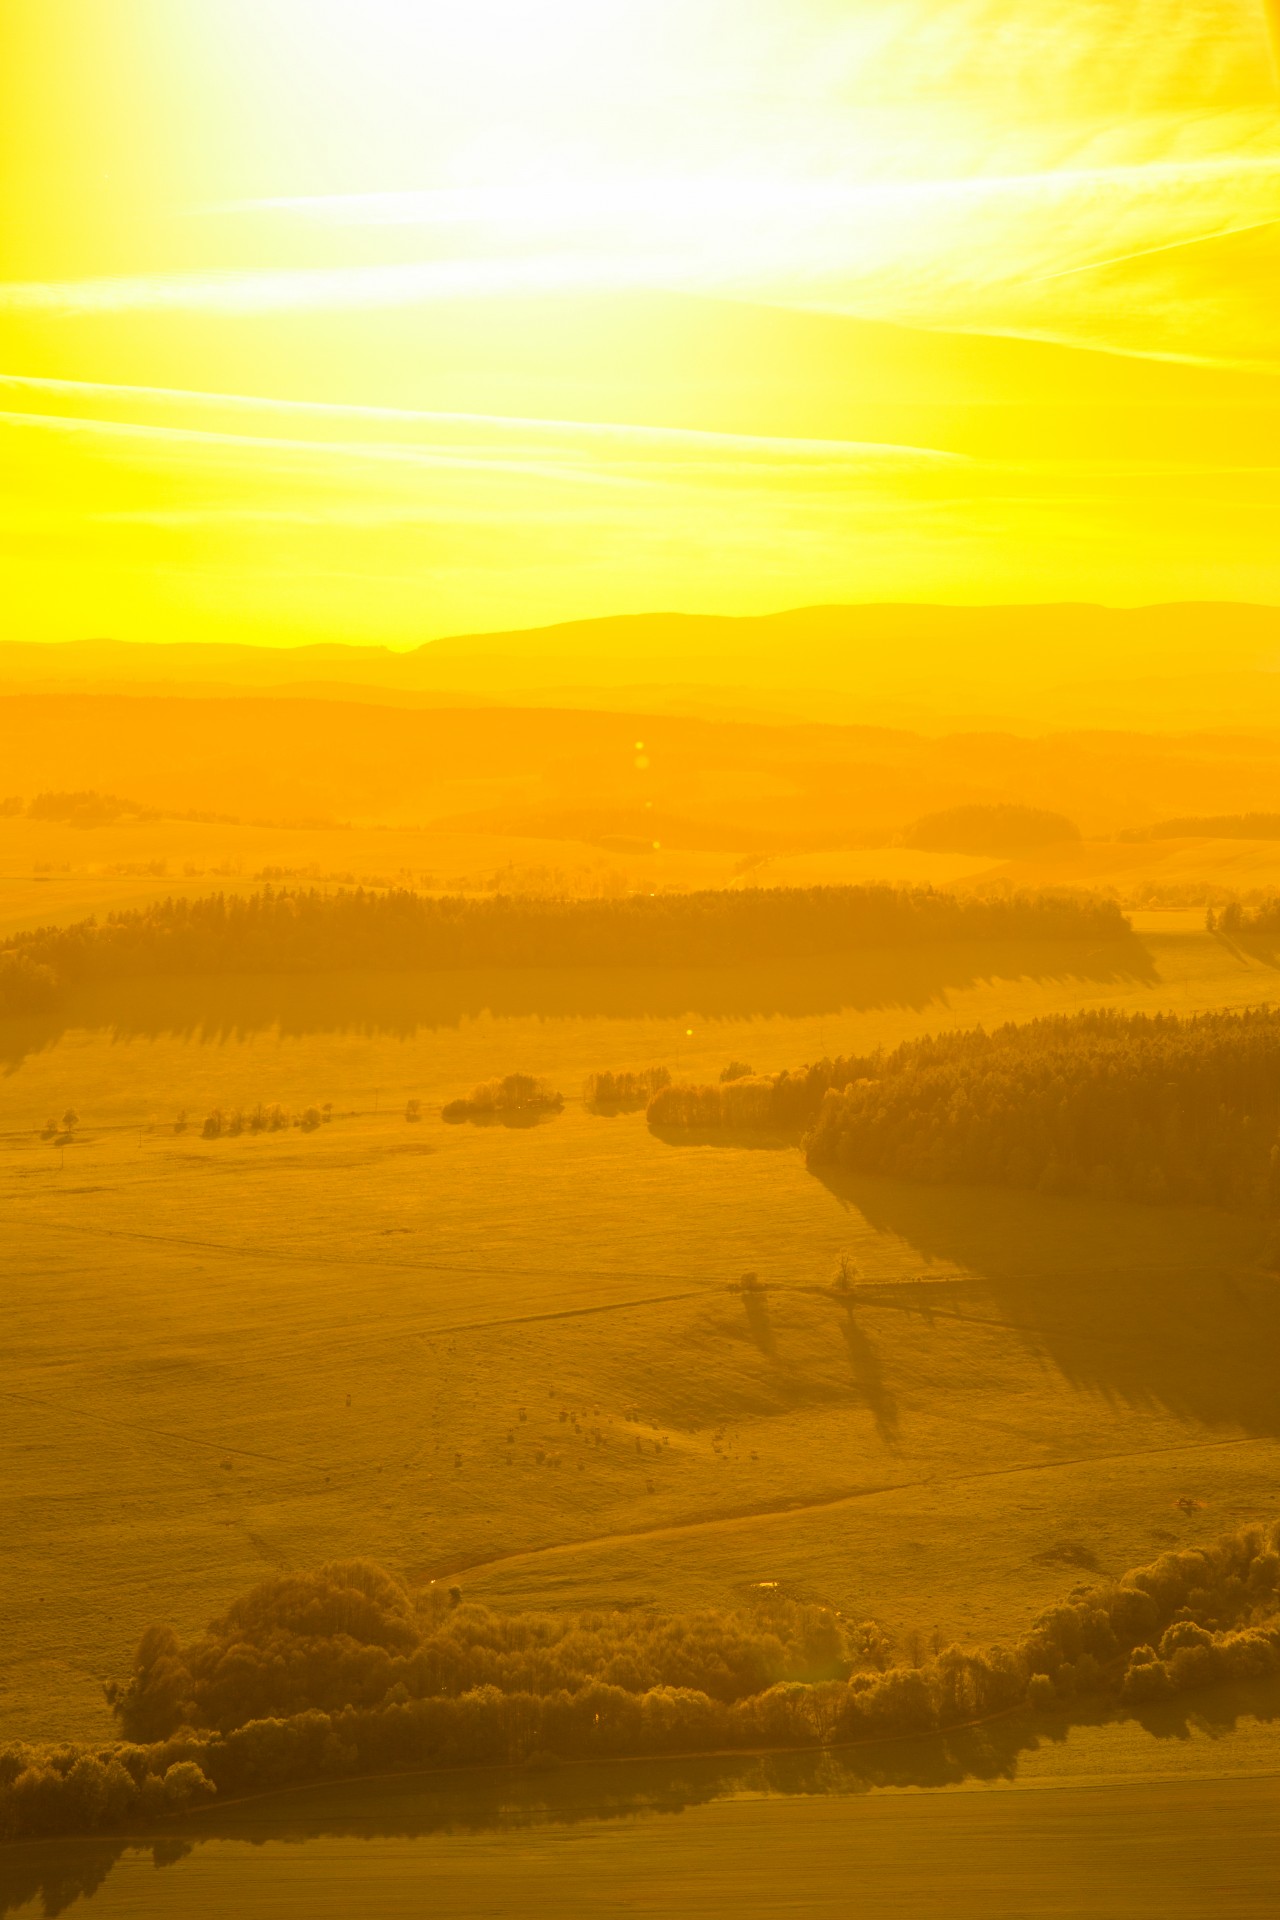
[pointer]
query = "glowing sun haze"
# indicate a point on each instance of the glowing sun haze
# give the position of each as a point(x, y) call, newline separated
point(325, 320)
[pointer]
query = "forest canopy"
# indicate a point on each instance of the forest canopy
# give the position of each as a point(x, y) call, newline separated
point(1133, 1106)
point(346, 1671)
point(307, 931)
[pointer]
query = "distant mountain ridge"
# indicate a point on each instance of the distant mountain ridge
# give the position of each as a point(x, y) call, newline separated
point(1062, 664)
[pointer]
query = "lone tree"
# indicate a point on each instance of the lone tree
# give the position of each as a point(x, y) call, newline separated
point(846, 1274)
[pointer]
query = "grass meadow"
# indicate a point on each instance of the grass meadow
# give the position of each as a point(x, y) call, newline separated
point(517, 1358)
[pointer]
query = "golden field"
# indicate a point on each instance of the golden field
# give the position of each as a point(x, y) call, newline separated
point(238, 1354)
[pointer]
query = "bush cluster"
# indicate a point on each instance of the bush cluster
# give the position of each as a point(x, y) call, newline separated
point(1140, 1107)
point(346, 1671)
point(306, 931)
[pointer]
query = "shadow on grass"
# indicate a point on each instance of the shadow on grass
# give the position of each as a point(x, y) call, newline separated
point(750, 1139)
point(419, 1806)
point(869, 1379)
point(226, 1007)
point(1160, 1306)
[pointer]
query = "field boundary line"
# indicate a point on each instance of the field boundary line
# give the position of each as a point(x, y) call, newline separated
point(785, 1509)
point(152, 1433)
point(291, 1257)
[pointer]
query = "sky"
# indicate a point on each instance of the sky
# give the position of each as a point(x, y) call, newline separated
point(374, 320)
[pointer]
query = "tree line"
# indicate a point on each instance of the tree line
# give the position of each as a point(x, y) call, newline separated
point(515, 1093)
point(1262, 918)
point(784, 1102)
point(625, 1090)
point(282, 930)
point(346, 1671)
point(1148, 1107)
point(1210, 826)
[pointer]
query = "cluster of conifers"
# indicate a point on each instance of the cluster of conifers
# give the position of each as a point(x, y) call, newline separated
point(306, 931)
point(1137, 1107)
point(345, 1671)
point(1129, 1106)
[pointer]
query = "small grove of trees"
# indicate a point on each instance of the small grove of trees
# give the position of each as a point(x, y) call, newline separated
point(625, 1091)
point(1262, 918)
point(346, 1671)
point(1136, 1106)
point(990, 829)
point(306, 931)
point(782, 1102)
point(85, 809)
point(517, 1093)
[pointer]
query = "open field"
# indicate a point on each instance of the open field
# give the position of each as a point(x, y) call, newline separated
point(237, 1354)
point(1173, 1818)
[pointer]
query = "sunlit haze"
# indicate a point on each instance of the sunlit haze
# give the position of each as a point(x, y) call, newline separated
point(460, 240)
point(640, 959)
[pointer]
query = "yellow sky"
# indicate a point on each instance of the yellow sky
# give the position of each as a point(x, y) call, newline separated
point(372, 319)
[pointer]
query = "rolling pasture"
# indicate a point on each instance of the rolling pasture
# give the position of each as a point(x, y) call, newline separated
point(520, 1359)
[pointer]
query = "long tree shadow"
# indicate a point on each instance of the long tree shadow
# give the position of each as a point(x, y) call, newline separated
point(868, 1378)
point(410, 1807)
point(225, 1007)
point(759, 1325)
point(1160, 1306)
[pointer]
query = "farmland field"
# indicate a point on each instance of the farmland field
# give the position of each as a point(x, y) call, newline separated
point(400, 1339)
